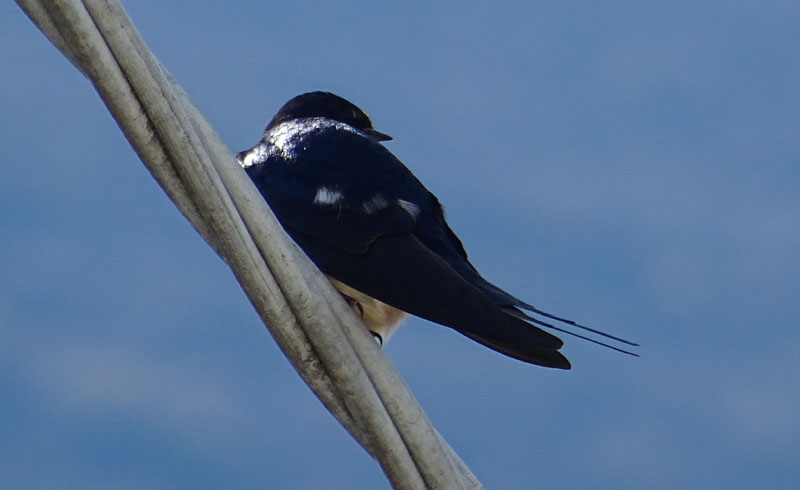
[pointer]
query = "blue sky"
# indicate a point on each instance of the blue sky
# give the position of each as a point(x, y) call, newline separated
point(634, 166)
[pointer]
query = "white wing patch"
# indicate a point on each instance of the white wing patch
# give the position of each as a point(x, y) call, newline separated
point(374, 204)
point(409, 207)
point(326, 196)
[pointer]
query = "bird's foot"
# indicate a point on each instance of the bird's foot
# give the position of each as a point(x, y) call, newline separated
point(356, 306)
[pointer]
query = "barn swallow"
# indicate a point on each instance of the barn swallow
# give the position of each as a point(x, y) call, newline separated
point(381, 237)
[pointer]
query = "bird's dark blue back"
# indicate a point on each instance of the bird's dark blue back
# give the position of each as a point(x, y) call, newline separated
point(367, 221)
point(348, 162)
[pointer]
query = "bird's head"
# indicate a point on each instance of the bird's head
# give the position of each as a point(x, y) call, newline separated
point(329, 106)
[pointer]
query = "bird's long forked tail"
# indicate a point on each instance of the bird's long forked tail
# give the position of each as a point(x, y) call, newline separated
point(537, 321)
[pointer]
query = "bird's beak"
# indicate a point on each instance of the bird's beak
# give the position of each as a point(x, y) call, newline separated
point(377, 134)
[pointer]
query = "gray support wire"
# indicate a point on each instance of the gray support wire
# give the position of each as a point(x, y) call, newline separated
point(324, 340)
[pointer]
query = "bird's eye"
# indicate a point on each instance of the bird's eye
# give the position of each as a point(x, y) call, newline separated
point(353, 113)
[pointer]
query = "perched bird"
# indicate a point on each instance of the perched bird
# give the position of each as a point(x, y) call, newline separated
point(380, 236)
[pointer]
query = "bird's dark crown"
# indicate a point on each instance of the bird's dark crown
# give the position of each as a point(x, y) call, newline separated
point(327, 105)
